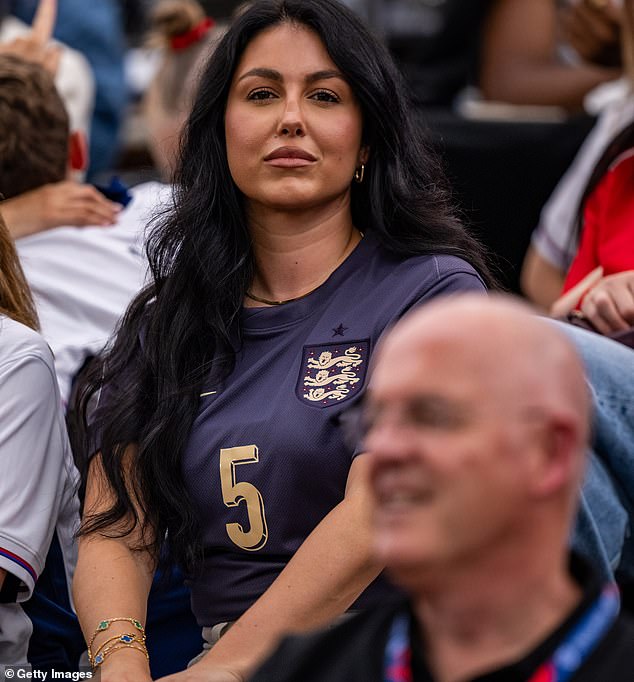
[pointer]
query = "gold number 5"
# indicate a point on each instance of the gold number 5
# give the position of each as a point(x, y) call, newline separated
point(233, 493)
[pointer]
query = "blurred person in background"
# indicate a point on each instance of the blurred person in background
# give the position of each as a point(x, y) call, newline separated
point(592, 203)
point(185, 36)
point(510, 49)
point(82, 278)
point(459, 57)
point(96, 30)
point(48, 194)
point(39, 510)
point(73, 74)
point(599, 285)
point(545, 52)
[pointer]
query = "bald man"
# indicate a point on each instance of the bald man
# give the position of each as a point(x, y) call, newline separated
point(477, 434)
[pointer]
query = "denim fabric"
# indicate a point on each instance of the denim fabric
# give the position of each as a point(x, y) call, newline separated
point(606, 517)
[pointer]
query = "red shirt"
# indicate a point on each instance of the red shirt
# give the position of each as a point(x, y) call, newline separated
point(607, 238)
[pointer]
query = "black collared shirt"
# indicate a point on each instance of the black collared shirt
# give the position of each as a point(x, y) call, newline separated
point(354, 650)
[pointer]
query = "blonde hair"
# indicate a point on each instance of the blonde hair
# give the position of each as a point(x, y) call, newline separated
point(170, 96)
point(171, 19)
point(15, 296)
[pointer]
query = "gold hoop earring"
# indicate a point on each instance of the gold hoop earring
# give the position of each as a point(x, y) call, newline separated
point(359, 173)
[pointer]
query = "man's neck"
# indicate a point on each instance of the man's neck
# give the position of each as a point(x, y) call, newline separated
point(490, 618)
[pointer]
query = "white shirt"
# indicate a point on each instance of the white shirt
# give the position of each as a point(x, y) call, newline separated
point(84, 278)
point(37, 476)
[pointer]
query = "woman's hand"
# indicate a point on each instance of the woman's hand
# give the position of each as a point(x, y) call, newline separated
point(567, 302)
point(55, 205)
point(593, 29)
point(609, 305)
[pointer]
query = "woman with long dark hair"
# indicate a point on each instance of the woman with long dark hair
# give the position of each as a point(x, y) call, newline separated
point(308, 216)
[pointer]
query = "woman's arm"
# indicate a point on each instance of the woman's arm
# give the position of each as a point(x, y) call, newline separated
point(323, 579)
point(111, 580)
point(541, 281)
point(65, 203)
point(519, 63)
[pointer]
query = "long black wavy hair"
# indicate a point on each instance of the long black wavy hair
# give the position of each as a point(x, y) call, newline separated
point(184, 325)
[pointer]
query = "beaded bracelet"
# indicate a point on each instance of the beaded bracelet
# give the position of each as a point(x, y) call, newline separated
point(105, 624)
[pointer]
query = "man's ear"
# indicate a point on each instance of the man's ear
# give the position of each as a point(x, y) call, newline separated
point(558, 460)
point(77, 151)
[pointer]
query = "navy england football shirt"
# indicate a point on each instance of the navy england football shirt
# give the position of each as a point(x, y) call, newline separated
point(266, 460)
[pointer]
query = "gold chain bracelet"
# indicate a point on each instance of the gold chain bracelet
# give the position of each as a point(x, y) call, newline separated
point(118, 646)
point(105, 624)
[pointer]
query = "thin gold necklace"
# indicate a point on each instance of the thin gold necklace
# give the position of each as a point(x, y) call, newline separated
point(267, 301)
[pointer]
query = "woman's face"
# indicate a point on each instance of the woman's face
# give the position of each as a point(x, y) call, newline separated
point(293, 126)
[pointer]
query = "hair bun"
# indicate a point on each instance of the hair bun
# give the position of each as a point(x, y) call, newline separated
point(172, 18)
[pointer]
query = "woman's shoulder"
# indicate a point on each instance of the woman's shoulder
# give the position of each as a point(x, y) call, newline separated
point(396, 282)
point(27, 372)
point(435, 268)
point(442, 263)
point(19, 342)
